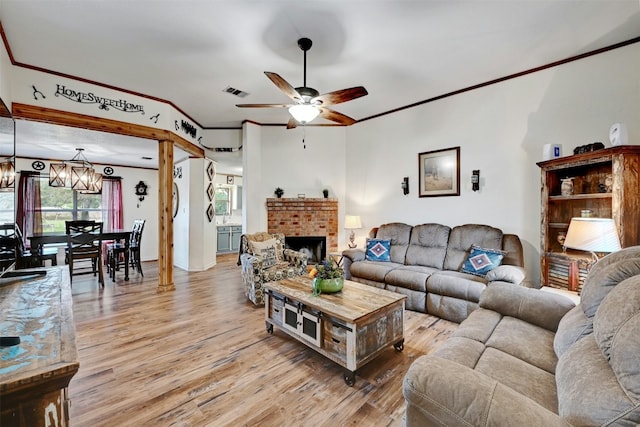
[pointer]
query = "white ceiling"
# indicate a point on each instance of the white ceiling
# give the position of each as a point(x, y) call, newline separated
point(402, 51)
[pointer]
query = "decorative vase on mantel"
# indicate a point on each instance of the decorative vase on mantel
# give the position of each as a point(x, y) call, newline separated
point(327, 286)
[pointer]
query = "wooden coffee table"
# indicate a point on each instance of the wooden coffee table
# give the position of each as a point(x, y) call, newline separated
point(350, 327)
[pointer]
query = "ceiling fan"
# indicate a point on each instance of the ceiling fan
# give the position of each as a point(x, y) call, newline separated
point(308, 103)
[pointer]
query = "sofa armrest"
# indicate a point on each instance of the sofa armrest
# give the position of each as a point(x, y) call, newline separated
point(442, 392)
point(534, 306)
point(350, 256)
point(353, 254)
point(507, 273)
point(251, 262)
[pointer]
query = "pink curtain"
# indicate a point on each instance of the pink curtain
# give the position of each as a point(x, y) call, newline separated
point(112, 215)
point(28, 215)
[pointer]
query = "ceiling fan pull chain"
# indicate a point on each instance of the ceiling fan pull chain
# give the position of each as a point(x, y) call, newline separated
point(304, 135)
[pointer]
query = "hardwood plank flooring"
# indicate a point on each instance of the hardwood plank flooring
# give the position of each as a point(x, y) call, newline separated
point(200, 356)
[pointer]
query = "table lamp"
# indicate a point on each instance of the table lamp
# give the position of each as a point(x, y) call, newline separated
point(592, 235)
point(352, 222)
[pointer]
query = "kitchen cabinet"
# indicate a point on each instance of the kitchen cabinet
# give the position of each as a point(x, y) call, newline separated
point(229, 238)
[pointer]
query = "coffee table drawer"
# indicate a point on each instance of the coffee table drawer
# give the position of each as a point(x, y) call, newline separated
point(335, 337)
point(276, 308)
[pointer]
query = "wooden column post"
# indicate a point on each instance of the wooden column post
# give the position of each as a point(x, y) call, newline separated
point(165, 211)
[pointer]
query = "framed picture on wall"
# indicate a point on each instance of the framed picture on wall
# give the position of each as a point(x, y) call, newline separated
point(439, 172)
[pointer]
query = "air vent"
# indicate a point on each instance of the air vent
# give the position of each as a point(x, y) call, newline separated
point(237, 92)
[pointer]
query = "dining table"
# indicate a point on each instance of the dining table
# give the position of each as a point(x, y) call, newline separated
point(40, 239)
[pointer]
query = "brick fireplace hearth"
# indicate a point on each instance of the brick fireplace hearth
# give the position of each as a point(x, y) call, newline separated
point(304, 217)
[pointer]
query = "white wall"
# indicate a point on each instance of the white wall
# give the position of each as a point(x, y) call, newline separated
point(501, 130)
point(181, 234)
point(285, 162)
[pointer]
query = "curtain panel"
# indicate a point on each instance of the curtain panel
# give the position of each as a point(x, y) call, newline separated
point(28, 215)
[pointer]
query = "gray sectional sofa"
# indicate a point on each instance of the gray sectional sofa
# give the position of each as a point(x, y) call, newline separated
point(425, 264)
point(527, 357)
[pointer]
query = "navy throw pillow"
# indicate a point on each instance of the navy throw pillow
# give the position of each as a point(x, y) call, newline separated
point(482, 260)
point(378, 250)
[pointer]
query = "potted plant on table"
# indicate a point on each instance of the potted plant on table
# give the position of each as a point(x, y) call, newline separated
point(328, 277)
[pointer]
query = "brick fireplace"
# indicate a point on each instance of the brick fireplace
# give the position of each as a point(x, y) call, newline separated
point(304, 217)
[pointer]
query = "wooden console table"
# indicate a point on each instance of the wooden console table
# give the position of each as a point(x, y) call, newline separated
point(350, 327)
point(35, 374)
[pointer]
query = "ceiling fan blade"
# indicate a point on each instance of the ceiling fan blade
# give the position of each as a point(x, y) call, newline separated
point(339, 96)
point(284, 86)
point(334, 116)
point(262, 105)
point(292, 123)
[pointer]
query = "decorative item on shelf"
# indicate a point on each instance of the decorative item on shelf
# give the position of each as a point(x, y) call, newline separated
point(566, 186)
point(561, 237)
point(352, 222)
point(7, 175)
point(328, 277)
point(405, 185)
point(551, 151)
point(301, 195)
point(141, 190)
point(592, 235)
point(588, 148)
point(278, 192)
point(586, 213)
point(325, 193)
point(618, 134)
point(77, 172)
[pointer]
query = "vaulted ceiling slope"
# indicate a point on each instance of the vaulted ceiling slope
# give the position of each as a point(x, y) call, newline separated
point(402, 51)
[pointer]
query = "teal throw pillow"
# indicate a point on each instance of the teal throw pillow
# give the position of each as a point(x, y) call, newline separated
point(378, 250)
point(482, 260)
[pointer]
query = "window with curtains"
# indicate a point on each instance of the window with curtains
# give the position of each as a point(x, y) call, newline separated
point(60, 204)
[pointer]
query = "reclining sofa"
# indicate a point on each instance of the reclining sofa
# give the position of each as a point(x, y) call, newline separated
point(426, 263)
point(527, 357)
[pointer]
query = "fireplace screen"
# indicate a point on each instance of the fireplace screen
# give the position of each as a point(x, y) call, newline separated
point(314, 246)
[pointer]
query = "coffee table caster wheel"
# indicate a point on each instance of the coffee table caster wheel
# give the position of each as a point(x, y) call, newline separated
point(399, 346)
point(269, 328)
point(350, 378)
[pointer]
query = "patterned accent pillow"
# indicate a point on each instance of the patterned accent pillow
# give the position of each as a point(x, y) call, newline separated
point(482, 260)
point(378, 250)
point(267, 250)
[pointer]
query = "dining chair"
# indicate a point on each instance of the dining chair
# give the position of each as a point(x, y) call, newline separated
point(8, 251)
point(28, 259)
point(116, 251)
point(84, 242)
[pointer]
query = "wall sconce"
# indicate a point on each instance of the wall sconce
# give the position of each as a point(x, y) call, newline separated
point(405, 185)
point(141, 190)
point(475, 180)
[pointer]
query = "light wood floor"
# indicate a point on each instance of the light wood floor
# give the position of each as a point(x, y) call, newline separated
point(200, 356)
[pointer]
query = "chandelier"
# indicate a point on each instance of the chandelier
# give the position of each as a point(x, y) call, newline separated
point(77, 173)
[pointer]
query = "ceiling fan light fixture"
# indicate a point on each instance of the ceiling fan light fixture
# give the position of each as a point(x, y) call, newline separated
point(304, 113)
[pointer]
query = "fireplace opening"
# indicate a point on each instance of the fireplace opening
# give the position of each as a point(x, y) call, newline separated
point(314, 246)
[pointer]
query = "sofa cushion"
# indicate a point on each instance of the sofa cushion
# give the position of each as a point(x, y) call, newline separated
point(601, 280)
point(456, 284)
point(481, 260)
point(428, 245)
point(573, 326)
point(378, 250)
point(616, 327)
point(410, 276)
point(399, 234)
point(588, 390)
point(463, 236)
point(372, 270)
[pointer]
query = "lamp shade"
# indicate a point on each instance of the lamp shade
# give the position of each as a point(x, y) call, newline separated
point(58, 175)
point(352, 222)
point(592, 234)
point(81, 177)
point(304, 113)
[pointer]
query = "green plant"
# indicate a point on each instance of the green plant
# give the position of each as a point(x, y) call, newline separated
point(328, 269)
point(278, 192)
